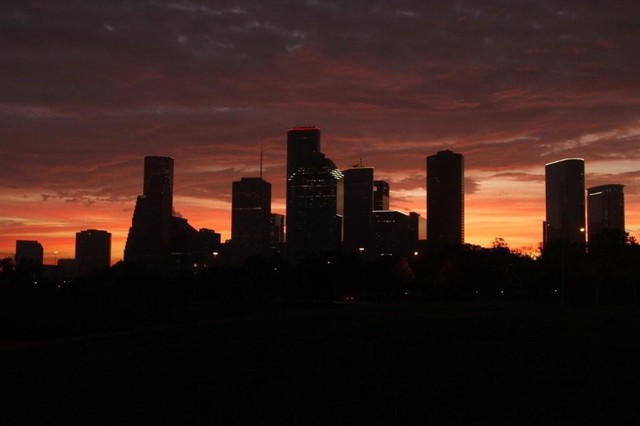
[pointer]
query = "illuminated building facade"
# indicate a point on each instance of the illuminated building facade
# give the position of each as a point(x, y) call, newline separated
point(313, 216)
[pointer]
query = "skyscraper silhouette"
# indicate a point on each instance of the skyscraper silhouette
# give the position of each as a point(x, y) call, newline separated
point(149, 236)
point(313, 218)
point(445, 199)
point(358, 205)
point(250, 217)
point(93, 250)
point(564, 194)
point(605, 213)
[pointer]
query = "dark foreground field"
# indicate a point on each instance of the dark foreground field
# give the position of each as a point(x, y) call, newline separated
point(458, 363)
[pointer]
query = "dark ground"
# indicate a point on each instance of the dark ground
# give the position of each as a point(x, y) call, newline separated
point(457, 363)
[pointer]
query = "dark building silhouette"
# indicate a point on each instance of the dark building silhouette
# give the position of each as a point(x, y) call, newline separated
point(313, 217)
point(380, 195)
point(29, 253)
point(149, 238)
point(191, 248)
point(358, 205)
point(605, 212)
point(445, 199)
point(565, 194)
point(251, 217)
point(93, 250)
point(417, 229)
point(391, 233)
point(277, 235)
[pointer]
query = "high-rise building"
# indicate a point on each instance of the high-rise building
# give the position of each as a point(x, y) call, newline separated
point(605, 212)
point(564, 194)
point(149, 238)
point(250, 217)
point(380, 195)
point(29, 253)
point(313, 217)
point(358, 205)
point(445, 199)
point(93, 250)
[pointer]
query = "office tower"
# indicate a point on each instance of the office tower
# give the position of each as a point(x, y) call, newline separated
point(29, 253)
point(93, 250)
point(277, 238)
point(380, 195)
point(313, 221)
point(605, 213)
point(564, 193)
point(391, 233)
point(358, 205)
point(445, 199)
point(250, 217)
point(149, 236)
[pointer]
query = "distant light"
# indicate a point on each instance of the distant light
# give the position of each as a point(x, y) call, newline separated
point(415, 253)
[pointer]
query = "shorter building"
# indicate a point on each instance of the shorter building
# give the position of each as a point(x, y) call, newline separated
point(29, 253)
point(277, 236)
point(391, 233)
point(605, 213)
point(93, 250)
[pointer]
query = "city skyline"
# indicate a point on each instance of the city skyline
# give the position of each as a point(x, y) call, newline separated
point(92, 89)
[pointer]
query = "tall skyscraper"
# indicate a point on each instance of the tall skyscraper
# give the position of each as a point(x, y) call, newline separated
point(93, 250)
point(250, 217)
point(605, 212)
point(358, 205)
point(149, 236)
point(29, 253)
point(445, 199)
point(313, 217)
point(564, 193)
point(380, 195)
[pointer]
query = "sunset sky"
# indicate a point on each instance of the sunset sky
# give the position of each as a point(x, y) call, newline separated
point(88, 88)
